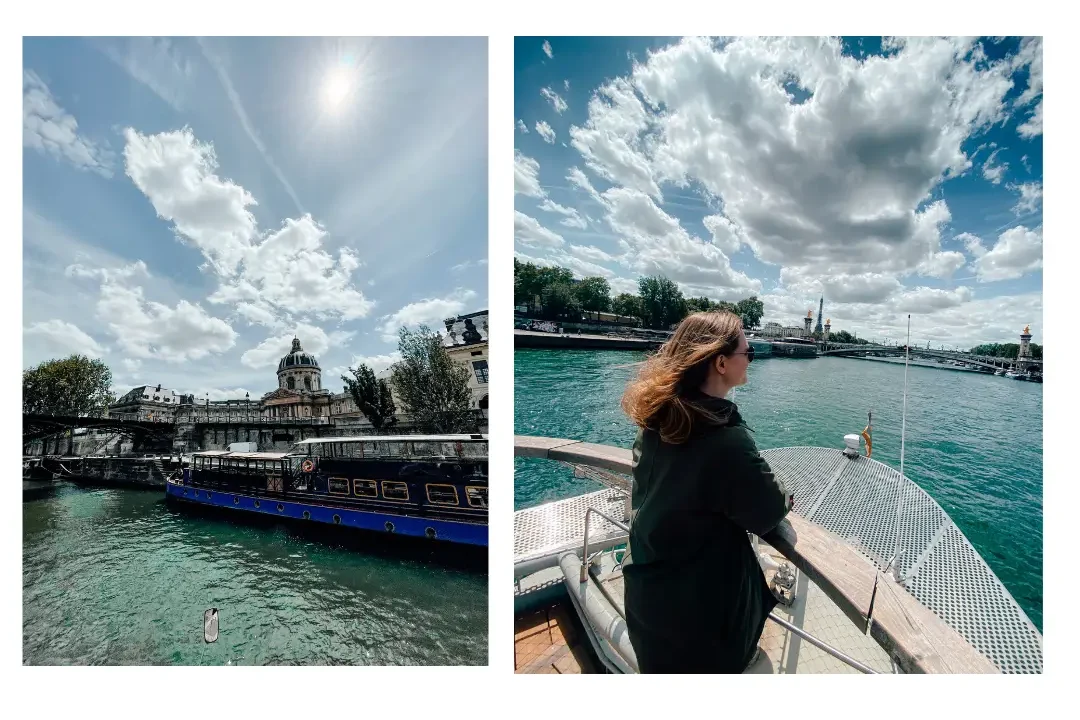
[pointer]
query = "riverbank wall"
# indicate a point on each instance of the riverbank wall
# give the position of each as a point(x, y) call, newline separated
point(574, 341)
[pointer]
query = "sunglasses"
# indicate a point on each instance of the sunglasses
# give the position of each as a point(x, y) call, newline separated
point(749, 353)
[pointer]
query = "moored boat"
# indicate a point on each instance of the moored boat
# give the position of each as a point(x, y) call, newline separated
point(432, 487)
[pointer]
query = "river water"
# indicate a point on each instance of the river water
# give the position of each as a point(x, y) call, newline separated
point(973, 441)
point(116, 577)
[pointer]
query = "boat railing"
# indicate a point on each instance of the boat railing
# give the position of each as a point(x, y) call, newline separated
point(912, 634)
point(587, 560)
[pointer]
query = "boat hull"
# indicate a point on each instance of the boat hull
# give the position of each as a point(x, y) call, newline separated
point(464, 533)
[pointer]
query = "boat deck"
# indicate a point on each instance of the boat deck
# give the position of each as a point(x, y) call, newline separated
point(876, 511)
point(551, 641)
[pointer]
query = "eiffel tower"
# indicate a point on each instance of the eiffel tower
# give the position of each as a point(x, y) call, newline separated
point(821, 307)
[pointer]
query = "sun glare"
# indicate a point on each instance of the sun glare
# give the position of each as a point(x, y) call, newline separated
point(336, 88)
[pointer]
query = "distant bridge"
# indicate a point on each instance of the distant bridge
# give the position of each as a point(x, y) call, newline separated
point(986, 361)
point(39, 427)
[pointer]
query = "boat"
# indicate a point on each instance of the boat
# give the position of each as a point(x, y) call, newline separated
point(424, 486)
point(872, 574)
point(1000, 373)
point(1012, 374)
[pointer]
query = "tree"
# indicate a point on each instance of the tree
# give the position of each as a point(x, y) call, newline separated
point(699, 304)
point(530, 280)
point(593, 293)
point(662, 302)
point(372, 396)
point(75, 386)
point(628, 305)
point(750, 310)
point(433, 389)
point(560, 302)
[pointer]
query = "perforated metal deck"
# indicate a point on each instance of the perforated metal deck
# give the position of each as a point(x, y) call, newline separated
point(559, 526)
point(857, 500)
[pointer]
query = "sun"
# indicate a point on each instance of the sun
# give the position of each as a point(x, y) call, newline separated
point(336, 88)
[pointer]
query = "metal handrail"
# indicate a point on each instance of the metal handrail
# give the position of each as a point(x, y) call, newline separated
point(586, 561)
point(822, 645)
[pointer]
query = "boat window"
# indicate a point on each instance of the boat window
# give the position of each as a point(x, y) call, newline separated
point(338, 486)
point(394, 490)
point(439, 494)
point(477, 496)
point(365, 488)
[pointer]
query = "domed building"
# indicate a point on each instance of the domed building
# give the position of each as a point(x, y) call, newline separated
point(299, 371)
point(299, 393)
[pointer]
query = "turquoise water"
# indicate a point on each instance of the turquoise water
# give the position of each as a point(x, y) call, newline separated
point(115, 577)
point(973, 442)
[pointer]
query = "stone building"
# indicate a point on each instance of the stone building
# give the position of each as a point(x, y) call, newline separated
point(300, 393)
point(467, 343)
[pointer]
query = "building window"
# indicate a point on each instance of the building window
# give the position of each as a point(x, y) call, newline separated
point(291, 383)
point(307, 383)
point(365, 488)
point(481, 370)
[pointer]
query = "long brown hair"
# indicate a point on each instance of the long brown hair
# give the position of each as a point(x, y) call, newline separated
point(658, 397)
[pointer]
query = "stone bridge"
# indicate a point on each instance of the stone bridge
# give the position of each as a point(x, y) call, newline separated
point(986, 361)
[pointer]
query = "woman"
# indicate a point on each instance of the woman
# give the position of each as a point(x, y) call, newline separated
point(696, 598)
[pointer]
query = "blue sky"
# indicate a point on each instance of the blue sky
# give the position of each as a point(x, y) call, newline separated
point(891, 176)
point(190, 204)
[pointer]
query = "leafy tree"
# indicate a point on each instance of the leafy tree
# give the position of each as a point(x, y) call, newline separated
point(699, 304)
point(560, 302)
point(841, 336)
point(662, 302)
point(433, 389)
point(750, 310)
point(627, 304)
point(530, 280)
point(372, 396)
point(593, 293)
point(75, 386)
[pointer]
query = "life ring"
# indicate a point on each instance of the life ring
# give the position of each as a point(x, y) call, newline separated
point(308, 466)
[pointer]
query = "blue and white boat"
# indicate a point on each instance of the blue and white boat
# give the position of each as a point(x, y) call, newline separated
point(425, 486)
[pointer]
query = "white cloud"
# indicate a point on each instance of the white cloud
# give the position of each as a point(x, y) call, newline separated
point(547, 49)
point(127, 272)
point(61, 338)
point(566, 85)
point(924, 300)
point(1025, 163)
point(836, 183)
point(610, 141)
point(176, 173)
point(1030, 197)
point(377, 363)
point(431, 312)
point(527, 176)
point(49, 128)
point(1033, 126)
point(522, 127)
point(553, 97)
point(573, 217)
point(313, 339)
point(861, 288)
point(579, 179)
point(545, 132)
point(528, 231)
point(145, 329)
point(131, 364)
point(942, 264)
point(994, 173)
point(1031, 57)
point(1017, 251)
point(285, 271)
point(973, 244)
point(655, 243)
point(590, 252)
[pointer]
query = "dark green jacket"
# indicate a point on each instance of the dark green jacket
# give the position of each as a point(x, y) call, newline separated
point(696, 598)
